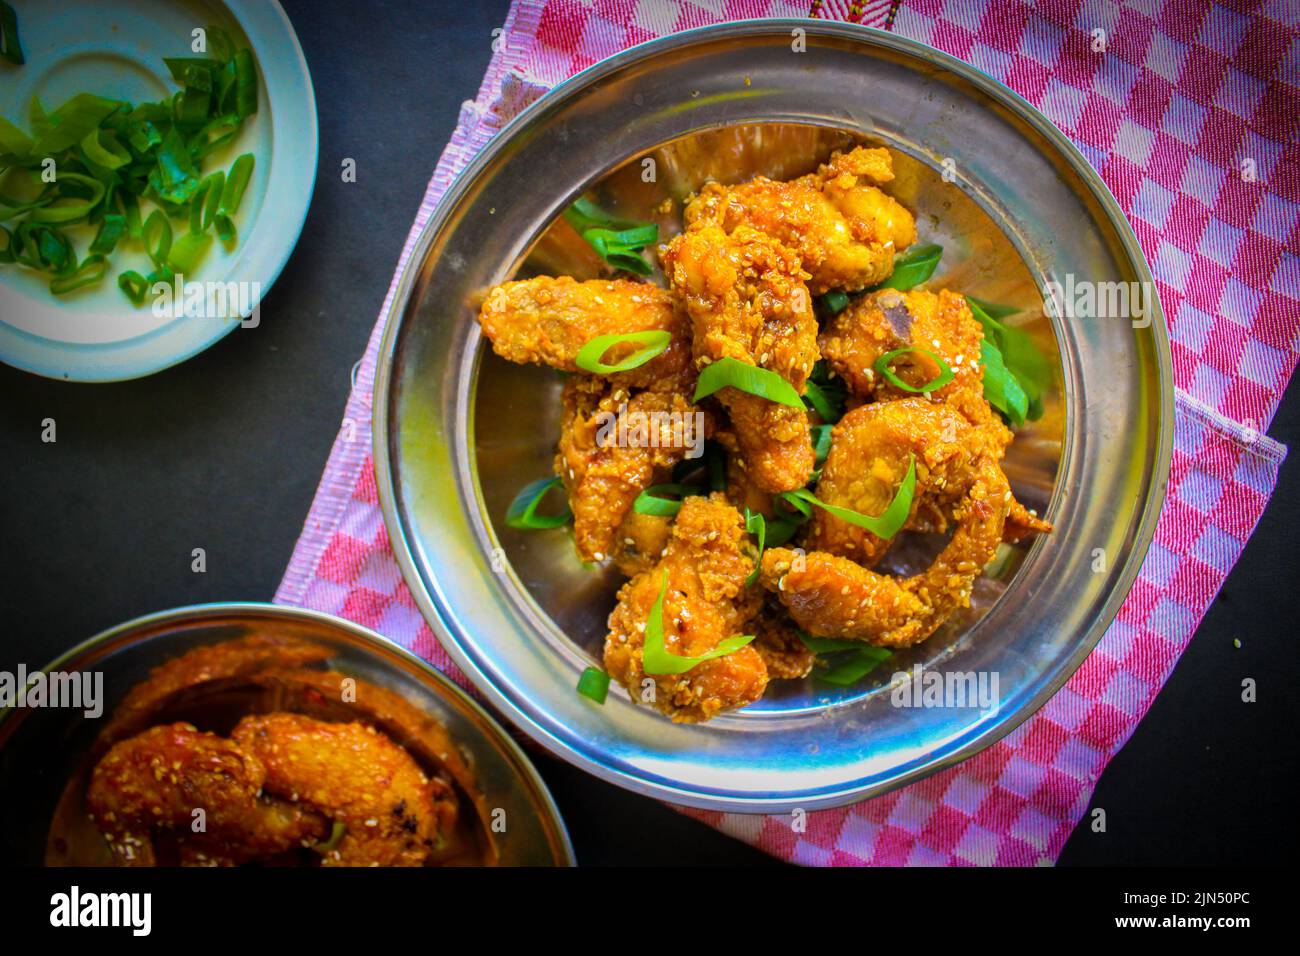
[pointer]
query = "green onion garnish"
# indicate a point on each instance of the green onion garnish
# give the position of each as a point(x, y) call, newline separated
point(733, 373)
point(854, 666)
point(850, 660)
point(939, 381)
point(885, 525)
point(1002, 390)
point(654, 342)
point(913, 267)
point(11, 47)
point(833, 302)
point(617, 241)
point(756, 524)
point(821, 403)
point(821, 439)
point(594, 683)
point(522, 512)
point(657, 659)
point(1020, 356)
point(652, 500)
point(111, 155)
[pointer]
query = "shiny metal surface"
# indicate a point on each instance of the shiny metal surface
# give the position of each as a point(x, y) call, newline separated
point(42, 749)
point(457, 431)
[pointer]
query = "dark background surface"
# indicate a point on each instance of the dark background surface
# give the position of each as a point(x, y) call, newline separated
point(224, 453)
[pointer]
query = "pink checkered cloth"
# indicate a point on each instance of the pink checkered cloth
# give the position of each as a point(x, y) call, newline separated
point(1189, 116)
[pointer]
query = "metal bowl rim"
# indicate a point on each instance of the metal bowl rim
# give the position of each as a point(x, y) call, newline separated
point(393, 316)
point(197, 612)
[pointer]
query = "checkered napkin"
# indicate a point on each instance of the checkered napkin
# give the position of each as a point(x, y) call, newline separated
point(1189, 115)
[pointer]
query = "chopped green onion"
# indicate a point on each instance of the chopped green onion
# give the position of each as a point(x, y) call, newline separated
point(1021, 357)
point(617, 241)
point(850, 660)
point(853, 666)
point(939, 381)
point(657, 659)
point(245, 84)
point(885, 525)
point(111, 230)
point(157, 237)
point(522, 512)
point(7, 245)
point(824, 402)
point(653, 342)
point(101, 147)
point(188, 251)
point(90, 271)
point(733, 373)
point(756, 524)
point(69, 209)
point(834, 302)
point(594, 683)
point(652, 500)
point(1002, 390)
point(241, 170)
point(821, 439)
point(913, 267)
point(134, 285)
point(11, 47)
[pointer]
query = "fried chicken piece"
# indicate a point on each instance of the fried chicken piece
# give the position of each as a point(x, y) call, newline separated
point(830, 596)
point(870, 450)
point(394, 815)
point(159, 778)
point(844, 230)
point(747, 301)
point(777, 642)
point(234, 658)
point(706, 601)
point(643, 540)
point(612, 446)
point(546, 321)
point(887, 320)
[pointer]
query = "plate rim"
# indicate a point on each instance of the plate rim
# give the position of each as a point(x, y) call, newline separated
point(385, 474)
point(139, 357)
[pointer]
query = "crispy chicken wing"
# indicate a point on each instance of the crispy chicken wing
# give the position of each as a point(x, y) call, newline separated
point(941, 323)
point(546, 321)
point(830, 596)
point(394, 815)
point(159, 779)
point(706, 601)
point(844, 230)
point(870, 450)
point(747, 301)
point(612, 446)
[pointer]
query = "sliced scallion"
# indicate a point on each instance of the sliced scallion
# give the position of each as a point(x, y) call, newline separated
point(594, 684)
point(652, 341)
point(733, 373)
point(883, 368)
point(522, 512)
point(885, 525)
point(655, 656)
point(653, 500)
point(756, 524)
point(913, 267)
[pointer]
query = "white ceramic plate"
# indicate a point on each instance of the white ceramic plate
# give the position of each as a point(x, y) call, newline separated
point(116, 49)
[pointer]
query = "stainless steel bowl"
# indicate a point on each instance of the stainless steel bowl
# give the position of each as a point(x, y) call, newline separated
point(457, 431)
point(45, 753)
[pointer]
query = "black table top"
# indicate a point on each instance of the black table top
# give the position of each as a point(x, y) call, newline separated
point(224, 452)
